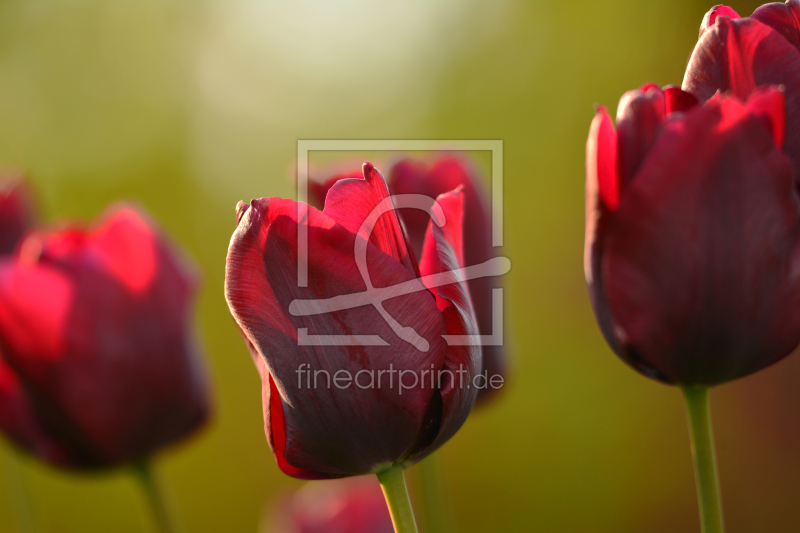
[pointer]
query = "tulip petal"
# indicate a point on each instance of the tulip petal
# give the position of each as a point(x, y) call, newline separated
point(783, 18)
point(715, 12)
point(318, 190)
point(328, 430)
point(741, 55)
point(601, 159)
point(16, 214)
point(697, 265)
point(639, 117)
point(677, 100)
point(442, 254)
point(768, 105)
point(443, 175)
point(351, 201)
point(19, 422)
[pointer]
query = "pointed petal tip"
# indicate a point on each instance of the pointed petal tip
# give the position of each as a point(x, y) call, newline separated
point(719, 13)
point(241, 209)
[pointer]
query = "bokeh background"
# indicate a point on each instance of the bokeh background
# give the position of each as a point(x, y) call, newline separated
point(188, 107)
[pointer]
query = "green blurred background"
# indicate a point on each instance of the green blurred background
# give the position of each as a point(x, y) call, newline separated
point(187, 108)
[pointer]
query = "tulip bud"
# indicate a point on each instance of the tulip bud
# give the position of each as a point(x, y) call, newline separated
point(355, 379)
point(95, 327)
point(691, 251)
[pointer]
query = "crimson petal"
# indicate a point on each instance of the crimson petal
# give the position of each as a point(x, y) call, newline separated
point(783, 18)
point(442, 254)
point(351, 201)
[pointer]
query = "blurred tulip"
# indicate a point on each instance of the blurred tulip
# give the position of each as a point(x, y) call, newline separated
point(353, 505)
point(740, 54)
point(95, 328)
point(16, 213)
point(692, 231)
point(320, 429)
point(443, 175)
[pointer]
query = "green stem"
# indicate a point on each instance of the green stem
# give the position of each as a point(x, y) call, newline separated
point(430, 484)
point(393, 483)
point(156, 497)
point(21, 493)
point(705, 461)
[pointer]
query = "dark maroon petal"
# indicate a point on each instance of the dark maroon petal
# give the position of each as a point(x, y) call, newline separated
point(96, 326)
point(676, 100)
point(327, 430)
point(19, 422)
point(699, 261)
point(443, 175)
point(441, 255)
point(601, 164)
point(16, 214)
point(741, 55)
point(639, 117)
point(783, 18)
point(717, 11)
point(351, 201)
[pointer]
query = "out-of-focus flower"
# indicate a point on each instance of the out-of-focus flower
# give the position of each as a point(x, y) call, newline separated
point(443, 175)
point(740, 54)
point(402, 390)
point(95, 329)
point(353, 505)
point(692, 231)
point(16, 213)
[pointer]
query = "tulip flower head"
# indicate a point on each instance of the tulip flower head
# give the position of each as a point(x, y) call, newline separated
point(354, 389)
point(691, 254)
point(100, 363)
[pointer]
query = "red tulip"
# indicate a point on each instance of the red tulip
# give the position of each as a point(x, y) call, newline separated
point(16, 214)
point(95, 329)
point(740, 54)
point(354, 505)
point(445, 174)
point(692, 231)
point(328, 429)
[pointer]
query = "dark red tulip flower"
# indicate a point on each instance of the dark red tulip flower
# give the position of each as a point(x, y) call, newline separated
point(16, 213)
point(443, 175)
point(353, 505)
point(692, 232)
point(100, 364)
point(740, 54)
point(354, 321)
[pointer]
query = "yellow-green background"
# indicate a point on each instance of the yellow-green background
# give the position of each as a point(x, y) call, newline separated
point(188, 107)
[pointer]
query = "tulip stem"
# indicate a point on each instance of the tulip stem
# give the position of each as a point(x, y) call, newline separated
point(705, 461)
point(393, 483)
point(430, 483)
point(156, 497)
